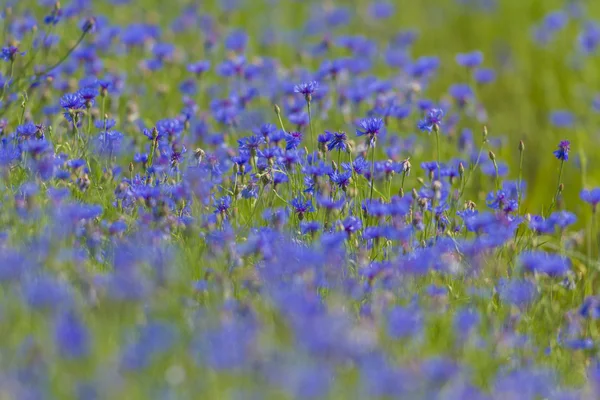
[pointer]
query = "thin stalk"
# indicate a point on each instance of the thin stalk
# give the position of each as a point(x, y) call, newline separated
point(519, 189)
point(437, 141)
point(63, 58)
point(555, 198)
point(372, 170)
point(312, 134)
point(8, 79)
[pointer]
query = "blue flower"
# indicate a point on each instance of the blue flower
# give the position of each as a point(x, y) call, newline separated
point(338, 141)
point(562, 119)
point(199, 67)
point(369, 127)
point(222, 205)
point(520, 293)
point(563, 150)
point(591, 196)
point(307, 89)
point(432, 120)
point(484, 75)
point(9, 53)
point(589, 38)
point(251, 143)
point(71, 101)
point(562, 219)
point(470, 60)
point(462, 93)
point(71, 336)
point(341, 179)
point(545, 263)
point(301, 206)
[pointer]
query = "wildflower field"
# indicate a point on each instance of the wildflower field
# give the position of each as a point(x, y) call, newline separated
point(298, 199)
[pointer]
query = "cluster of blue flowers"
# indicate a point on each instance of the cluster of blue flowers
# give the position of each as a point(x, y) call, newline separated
point(187, 218)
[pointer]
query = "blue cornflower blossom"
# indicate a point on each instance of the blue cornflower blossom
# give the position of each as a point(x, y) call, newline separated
point(338, 141)
point(432, 120)
point(309, 227)
point(199, 67)
point(307, 89)
point(71, 336)
point(546, 263)
point(563, 150)
point(9, 53)
point(251, 143)
point(71, 101)
point(520, 293)
point(222, 205)
point(301, 207)
point(88, 95)
point(341, 179)
point(470, 60)
point(591, 196)
point(369, 127)
point(360, 165)
point(293, 140)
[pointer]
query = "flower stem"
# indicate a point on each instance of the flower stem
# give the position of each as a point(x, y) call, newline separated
point(312, 134)
point(520, 182)
point(555, 198)
point(437, 142)
point(372, 169)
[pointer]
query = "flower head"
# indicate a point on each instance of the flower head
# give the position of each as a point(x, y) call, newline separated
point(432, 120)
point(301, 207)
point(71, 101)
point(470, 60)
point(9, 53)
point(222, 205)
point(370, 127)
point(563, 150)
point(307, 89)
point(591, 196)
point(338, 141)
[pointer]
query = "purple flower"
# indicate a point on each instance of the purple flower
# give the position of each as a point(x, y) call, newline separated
point(9, 53)
point(381, 9)
point(563, 150)
point(591, 196)
point(545, 263)
point(517, 292)
point(338, 141)
point(222, 205)
point(71, 336)
point(484, 75)
point(590, 308)
point(562, 119)
point(432, 120)
point(462, 93)
point(470, 60)
point(198, 68)
point(71, 101)
point(307, 89)
point(370, 127)
point(301, 207)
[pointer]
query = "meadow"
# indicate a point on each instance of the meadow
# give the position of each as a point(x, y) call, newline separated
point(279, 199)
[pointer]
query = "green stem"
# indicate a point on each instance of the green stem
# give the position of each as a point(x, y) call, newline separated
point(281, 122)
point(61, 60)
point(8, 79)
point(437, 141)
point(555, 198)
point(372, 169)
point(312, 134)
point(497, 176)
point(520, 182)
